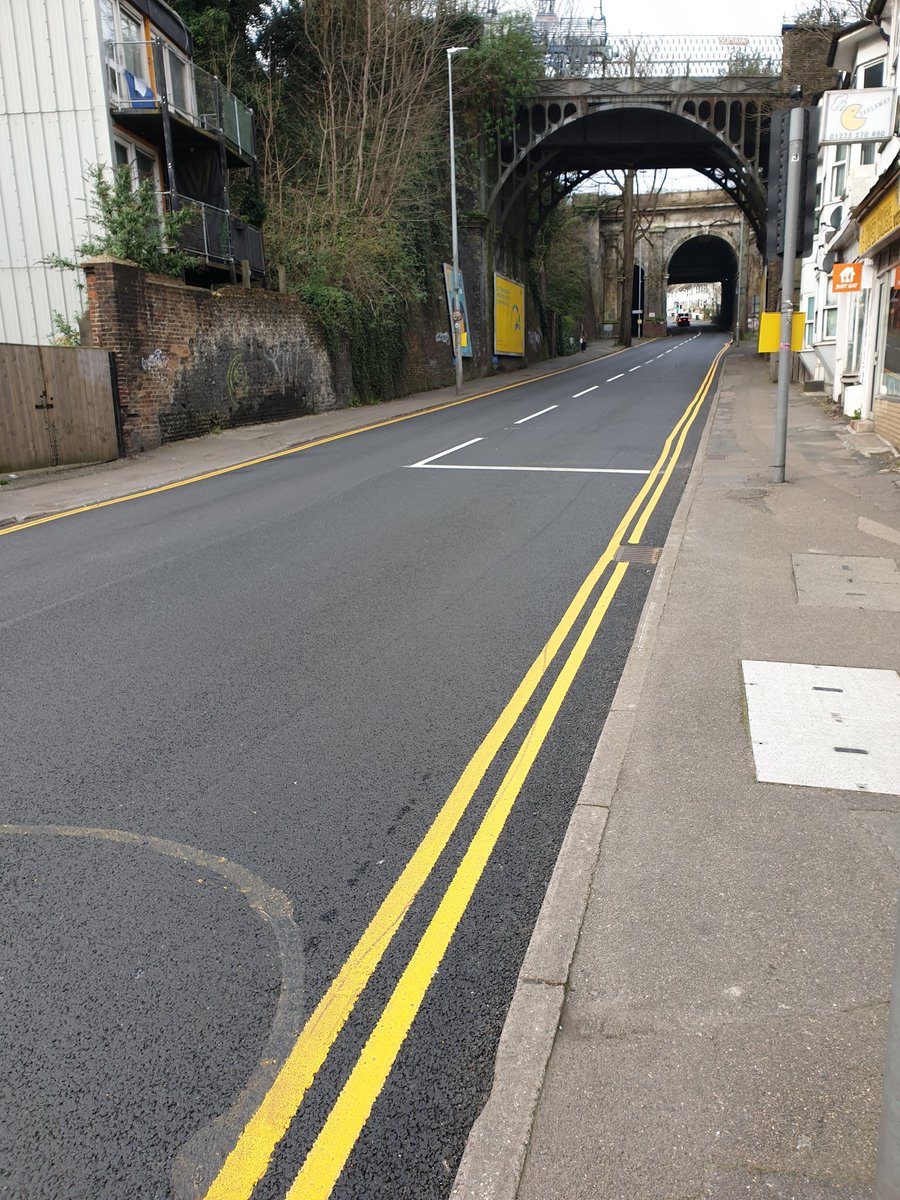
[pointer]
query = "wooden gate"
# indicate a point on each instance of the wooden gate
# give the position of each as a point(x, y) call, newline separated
point(57, 405)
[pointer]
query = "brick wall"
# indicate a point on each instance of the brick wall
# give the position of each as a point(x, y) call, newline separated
point(804, 63)
point(190, 360)
point(887, 420)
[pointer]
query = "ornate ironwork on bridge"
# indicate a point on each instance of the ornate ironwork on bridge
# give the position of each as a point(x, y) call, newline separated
point(578, 127)
point(581, 48)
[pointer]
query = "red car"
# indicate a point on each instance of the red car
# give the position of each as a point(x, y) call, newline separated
point(682, 319)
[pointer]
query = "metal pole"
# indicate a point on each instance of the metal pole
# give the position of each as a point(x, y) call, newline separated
point(887, 1168)
point(455, 321)
point(625, 313)
point(162, 86)
point(738, 324)
point(640, 288)
point(791, 218)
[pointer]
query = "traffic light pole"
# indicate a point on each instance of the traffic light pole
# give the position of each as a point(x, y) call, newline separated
point(791, 218)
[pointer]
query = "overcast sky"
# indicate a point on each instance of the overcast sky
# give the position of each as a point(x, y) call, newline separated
point(690, 17)
point(695, 16)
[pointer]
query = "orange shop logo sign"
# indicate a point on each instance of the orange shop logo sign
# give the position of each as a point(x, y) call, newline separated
point(846, 277)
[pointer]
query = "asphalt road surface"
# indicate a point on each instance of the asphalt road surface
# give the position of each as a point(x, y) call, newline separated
point(287, 758)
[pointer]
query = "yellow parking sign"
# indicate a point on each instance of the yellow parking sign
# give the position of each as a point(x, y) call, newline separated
point(770, 332)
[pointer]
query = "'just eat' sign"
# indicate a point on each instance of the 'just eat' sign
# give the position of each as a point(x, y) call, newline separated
point(846, 277)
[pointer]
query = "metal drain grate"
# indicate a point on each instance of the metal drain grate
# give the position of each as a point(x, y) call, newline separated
point(639, 554)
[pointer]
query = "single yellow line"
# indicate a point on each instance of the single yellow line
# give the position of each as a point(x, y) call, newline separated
point(264, 458)
point(249, 1159)
point(337, 1138)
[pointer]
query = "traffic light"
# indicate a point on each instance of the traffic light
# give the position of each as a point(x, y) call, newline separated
point(778, 171)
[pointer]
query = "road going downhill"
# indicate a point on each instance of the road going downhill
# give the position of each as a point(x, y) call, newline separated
point(288, 755)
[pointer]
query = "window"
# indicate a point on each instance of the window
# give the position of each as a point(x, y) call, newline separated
point(838, 177)
point(890, 374)
point(142, 164)
point(856, 326)
point(809, 320)
point(870, 75)
point(873, 74)
point(867, 154)
point(127, 53)
point(829, 323)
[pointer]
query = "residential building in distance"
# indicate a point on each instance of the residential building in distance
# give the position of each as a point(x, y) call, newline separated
point(852, 317)
point(104, 81)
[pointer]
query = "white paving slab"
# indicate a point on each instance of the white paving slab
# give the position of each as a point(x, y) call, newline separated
point(820, 726)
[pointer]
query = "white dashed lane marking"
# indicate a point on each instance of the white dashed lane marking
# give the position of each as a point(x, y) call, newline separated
point(522, 420)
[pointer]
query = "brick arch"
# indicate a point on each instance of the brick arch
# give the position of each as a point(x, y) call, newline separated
point(720, 233)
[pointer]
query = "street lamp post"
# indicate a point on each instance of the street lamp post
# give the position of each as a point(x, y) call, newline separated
point(456, 314)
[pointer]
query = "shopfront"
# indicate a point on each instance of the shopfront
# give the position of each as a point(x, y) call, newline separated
point(879, 240)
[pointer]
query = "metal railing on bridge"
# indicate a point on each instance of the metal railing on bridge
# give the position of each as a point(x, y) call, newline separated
point(582, 49)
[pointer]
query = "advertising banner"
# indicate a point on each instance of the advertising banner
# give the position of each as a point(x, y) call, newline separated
point(462, 314)
point(858, 115)
point(509, 316)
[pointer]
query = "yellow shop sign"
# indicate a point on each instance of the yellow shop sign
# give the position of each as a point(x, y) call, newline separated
point(880, 222)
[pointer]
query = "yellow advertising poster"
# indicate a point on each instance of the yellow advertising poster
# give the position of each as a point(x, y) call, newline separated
point(509, 316)
point(770, 332)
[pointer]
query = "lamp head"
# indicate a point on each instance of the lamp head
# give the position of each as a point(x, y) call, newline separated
point(451, 50)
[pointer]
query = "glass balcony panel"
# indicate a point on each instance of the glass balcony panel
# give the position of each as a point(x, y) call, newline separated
point(178, 78)
point(129, 74)
point(206, 89)
point(192, 92)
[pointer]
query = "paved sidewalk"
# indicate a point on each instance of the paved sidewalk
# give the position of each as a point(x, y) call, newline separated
point(32, 494)
point(720, 1030)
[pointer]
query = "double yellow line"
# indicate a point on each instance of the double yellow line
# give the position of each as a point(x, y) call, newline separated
point(249, 1159)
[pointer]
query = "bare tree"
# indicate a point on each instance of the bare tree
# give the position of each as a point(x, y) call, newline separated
point(832, 14)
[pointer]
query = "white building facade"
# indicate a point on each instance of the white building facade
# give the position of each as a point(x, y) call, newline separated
point(84, 82)
point(850, 340)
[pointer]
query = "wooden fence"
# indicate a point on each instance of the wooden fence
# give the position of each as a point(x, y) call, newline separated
point(57, 405)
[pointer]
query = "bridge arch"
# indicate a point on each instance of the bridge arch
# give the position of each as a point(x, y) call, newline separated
point(577, 127)
point(707, 258)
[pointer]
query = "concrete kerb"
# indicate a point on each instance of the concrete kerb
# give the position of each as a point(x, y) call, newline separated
point(495, 1152)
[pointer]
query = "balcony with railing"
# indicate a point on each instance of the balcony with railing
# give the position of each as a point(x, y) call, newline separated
point(215, 236)
point(141, 74)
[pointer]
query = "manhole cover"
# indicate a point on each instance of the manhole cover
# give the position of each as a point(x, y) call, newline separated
point(639, 554)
